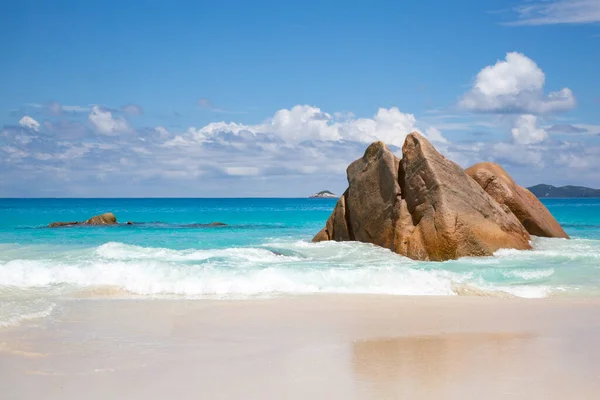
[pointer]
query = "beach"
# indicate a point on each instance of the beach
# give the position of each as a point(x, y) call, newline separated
point(317, 346)
point(174, 307)
point(286, 200)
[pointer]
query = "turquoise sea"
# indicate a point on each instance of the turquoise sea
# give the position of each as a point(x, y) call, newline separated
point(264, 251)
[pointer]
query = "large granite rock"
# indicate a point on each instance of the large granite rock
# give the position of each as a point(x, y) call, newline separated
point(422, 206)
point(534, 216)
point(102, 219)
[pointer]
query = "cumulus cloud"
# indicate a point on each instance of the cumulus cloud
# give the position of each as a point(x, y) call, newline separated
point(527, 131)
point(515, 85)
point(103, 121)
point(305, 123)
point(550, 12)
point(286, 155)
point(29, 123)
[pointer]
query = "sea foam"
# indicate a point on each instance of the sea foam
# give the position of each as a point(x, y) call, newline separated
point(288, 267)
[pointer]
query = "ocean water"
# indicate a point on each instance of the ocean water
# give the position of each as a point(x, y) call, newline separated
point(264, 251)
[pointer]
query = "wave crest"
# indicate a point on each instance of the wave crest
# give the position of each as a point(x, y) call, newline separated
point(299, 267)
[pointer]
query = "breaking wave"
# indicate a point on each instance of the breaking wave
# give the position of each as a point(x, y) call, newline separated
point(298, 267)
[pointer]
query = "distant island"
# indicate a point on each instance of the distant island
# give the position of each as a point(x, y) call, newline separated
point(323, 194)
point(563, 191)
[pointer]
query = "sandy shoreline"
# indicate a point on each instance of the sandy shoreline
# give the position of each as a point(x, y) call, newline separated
point(334, 346)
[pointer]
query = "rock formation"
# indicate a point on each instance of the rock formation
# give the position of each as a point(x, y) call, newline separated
point(423, 206)
point(534, 216)
point(102, 219)
point(323, 194)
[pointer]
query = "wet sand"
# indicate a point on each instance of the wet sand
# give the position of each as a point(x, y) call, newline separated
point(320, 347)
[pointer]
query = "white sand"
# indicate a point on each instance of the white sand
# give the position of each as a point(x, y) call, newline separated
point(319, 347)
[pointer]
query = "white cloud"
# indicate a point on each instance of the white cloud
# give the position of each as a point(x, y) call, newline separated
point(304, 123)
point(286, 155)
point(435, 135)
point(510, 77)
point(29, 123)
point(515, 85)
point(388, 125)
point(301, 122)
point(558, 12)
point(104, 123)
point(526, 130)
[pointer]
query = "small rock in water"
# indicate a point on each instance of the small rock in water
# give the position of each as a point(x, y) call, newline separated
point(217, 224)
point(102, 219)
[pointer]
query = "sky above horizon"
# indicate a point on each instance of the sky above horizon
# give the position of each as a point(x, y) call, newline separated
point(271, 98)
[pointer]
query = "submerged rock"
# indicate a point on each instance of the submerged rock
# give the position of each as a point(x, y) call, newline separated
point(534, 216)
point(209, 225)
point(102, 219)
point(60, 224)
point(423, 206)
point(217, 224)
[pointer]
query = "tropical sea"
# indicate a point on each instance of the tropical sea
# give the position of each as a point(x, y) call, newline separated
point(264, 251)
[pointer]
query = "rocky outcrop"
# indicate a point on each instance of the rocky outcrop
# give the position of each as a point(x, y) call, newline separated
point(534, 216)
point(102, 219)
point(422, 206)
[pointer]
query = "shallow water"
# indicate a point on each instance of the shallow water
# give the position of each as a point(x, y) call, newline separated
point(264, 251)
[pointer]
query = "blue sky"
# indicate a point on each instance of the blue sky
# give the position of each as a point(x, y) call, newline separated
point(257, 98)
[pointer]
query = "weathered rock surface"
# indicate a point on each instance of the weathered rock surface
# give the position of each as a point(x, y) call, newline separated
point(422, 206)
point(102, 219)
point(534, 216)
